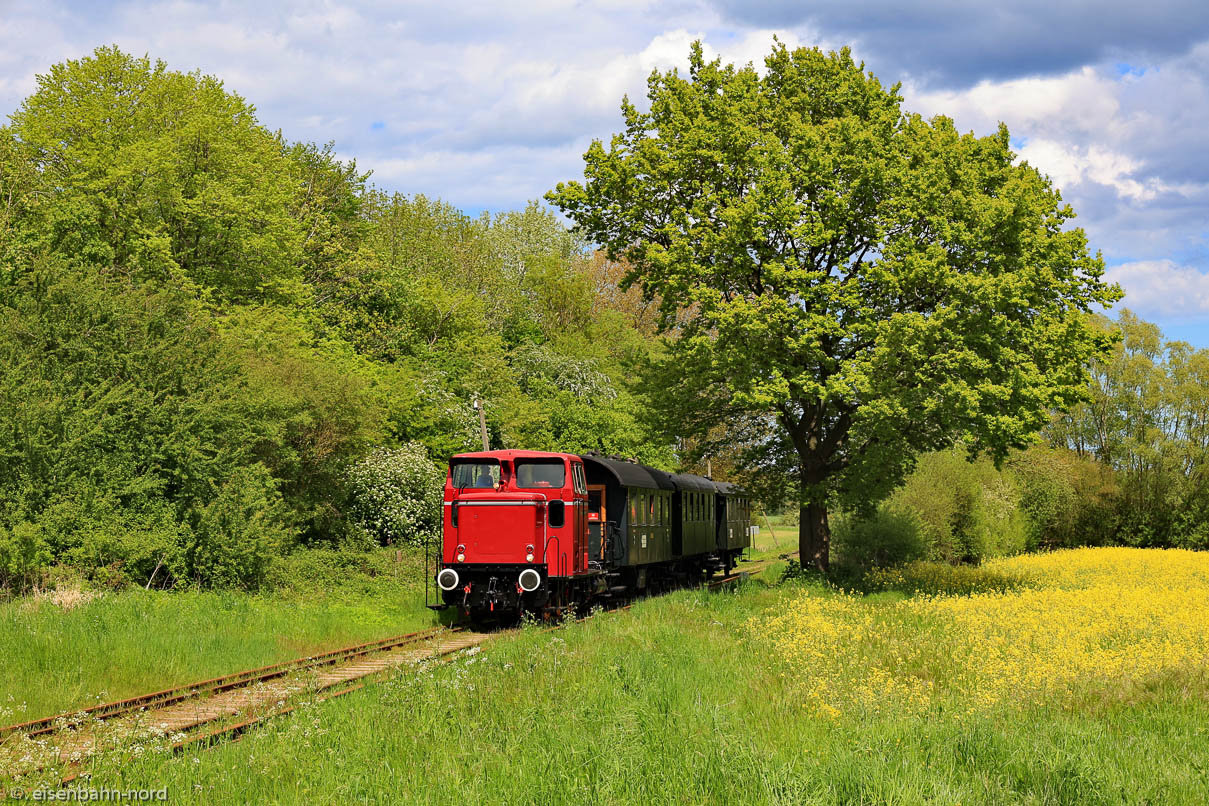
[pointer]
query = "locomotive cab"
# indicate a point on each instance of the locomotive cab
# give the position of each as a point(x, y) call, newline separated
point(515, 530)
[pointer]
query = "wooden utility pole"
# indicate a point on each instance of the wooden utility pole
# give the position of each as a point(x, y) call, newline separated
point(478, 405)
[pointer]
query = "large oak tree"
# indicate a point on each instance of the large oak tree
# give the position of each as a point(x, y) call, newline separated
point(845, 284)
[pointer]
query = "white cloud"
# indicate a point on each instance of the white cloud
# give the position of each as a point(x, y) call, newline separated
point(1162, 288)
point(488, 104)
point(1123, 148)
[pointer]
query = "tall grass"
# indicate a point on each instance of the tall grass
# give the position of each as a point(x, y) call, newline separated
point(678, 701)
point(58, 654)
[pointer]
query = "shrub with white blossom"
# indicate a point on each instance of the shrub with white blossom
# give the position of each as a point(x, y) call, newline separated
point(396, 495)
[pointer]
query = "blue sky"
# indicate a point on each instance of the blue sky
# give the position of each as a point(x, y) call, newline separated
point(487, 105)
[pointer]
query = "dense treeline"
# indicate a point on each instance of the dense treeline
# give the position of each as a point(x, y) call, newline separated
point(204, 326)
point(1130, 466)
point(218, 345)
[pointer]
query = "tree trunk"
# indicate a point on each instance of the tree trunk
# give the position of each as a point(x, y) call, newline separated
point(814, 537)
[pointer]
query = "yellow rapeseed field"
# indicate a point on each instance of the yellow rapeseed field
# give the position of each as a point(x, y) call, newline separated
point(1086, 625)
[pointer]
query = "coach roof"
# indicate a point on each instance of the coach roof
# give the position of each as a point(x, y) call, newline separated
point(631, 474)
point(691, 481)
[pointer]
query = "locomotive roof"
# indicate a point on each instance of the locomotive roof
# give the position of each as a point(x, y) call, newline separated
point(632, 474)
point(512, 454)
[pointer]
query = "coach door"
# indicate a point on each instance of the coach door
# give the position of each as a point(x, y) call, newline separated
point(597, 520)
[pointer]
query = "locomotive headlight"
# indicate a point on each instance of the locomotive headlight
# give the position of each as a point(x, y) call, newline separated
point(448, 579)
point(461, 554)
point(529, 554)
point(529, 580)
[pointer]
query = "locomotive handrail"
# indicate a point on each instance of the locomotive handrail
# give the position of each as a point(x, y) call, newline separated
point(562, 564)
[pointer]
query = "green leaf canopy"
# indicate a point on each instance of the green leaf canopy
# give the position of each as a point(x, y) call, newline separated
point(846, 284)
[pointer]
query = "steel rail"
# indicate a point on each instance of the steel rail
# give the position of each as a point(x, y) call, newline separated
point(171, 696)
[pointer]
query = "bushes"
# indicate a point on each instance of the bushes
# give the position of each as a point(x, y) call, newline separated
point(397, 495)
point(114, 543)
point(951, 510)
point(1068, 500)
point(886, 538)
point(967, 510)
point(24, 555)
point(239, 532)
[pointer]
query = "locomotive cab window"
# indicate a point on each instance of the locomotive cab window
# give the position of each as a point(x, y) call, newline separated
point(483, 475)
point(536, 474)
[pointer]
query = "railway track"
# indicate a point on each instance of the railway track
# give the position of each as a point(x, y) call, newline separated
point(227, 706)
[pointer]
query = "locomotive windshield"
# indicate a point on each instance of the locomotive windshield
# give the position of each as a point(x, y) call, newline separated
point(534, 474)
point(476, 474)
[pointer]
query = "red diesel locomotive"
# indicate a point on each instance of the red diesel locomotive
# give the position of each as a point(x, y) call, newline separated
point(539, 532)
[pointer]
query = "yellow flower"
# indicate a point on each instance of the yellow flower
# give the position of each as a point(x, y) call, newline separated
point(1104, 623)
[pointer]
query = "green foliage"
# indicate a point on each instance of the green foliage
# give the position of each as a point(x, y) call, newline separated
point(157, 174)
point(396, 495)
point(882, 539)
point(967, 510)
point(1068, 499)
point(1146, 419)
point(141, 543)
point(24, 555)
point(847, 284)
point(189, 302)
point(239, 532)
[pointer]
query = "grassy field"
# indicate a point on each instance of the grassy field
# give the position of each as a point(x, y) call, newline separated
point(69, 649)
point(1078, 677)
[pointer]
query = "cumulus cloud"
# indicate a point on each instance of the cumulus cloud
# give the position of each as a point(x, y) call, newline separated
point(1124, 148)
point(488, 105)
point(1162, 289)
point(484, 104)
point(959, 42)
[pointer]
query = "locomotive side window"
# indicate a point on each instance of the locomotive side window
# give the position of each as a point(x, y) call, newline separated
point(484, 475)
point(557, 514)
point(535, 474)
